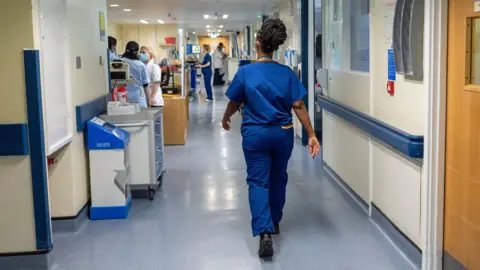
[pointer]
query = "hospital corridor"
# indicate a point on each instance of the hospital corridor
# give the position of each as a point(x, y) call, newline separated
point(201, 220)
point(240, 135)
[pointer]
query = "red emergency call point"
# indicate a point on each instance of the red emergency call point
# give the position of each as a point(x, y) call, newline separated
point(391, 88)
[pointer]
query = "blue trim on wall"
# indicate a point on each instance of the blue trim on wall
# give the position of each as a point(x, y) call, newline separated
point(37, 149)
point(87, 111)
point(110, 212)
point(305, 13)
point(109, 74)
point(410, 145)
point(14, 140)
point(249, 46)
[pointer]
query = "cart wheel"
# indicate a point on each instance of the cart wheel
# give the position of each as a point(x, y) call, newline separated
point(151, 194)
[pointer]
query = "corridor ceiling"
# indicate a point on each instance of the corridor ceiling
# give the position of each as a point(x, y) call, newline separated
point(189, 14)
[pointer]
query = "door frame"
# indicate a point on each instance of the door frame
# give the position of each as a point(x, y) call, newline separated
point(433, 174)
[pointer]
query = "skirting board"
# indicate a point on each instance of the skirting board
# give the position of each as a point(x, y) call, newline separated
point(27, 261)
point(407, 247)
point(70, 224)
point(450, 263)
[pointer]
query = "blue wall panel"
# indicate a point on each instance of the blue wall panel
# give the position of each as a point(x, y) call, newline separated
point(87, 111)
point(14, 140)
point(37, 149)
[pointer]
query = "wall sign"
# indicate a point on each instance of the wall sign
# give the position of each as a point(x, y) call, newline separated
point(103, 31)
point(476, 5)
point(392, 71)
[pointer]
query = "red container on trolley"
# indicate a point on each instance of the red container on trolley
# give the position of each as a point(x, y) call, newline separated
point(122, 95)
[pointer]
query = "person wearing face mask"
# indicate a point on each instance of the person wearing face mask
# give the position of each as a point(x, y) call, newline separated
point(112, 48)
point(136, 91)
point(154, 92)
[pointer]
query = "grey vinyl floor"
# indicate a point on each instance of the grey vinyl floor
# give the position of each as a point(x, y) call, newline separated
point(200, 218)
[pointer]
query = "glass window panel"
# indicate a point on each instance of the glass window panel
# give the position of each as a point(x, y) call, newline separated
point(359, 36)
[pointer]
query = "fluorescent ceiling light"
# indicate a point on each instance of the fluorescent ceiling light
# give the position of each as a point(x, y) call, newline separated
point(208, 26)
point(221, 26)
point(194, 33)
point(161, 22)
point(143, 21)
point(127, 9)
point(206, 16)
point(225, 16)
point(219, 30)
point(208, 30)
point(114, 5)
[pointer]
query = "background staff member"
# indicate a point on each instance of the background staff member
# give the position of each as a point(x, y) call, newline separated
point(138, 70)
point(268, 91)
point(206, 67)
point(154, 72)
point(112, 48)
point(218, 57)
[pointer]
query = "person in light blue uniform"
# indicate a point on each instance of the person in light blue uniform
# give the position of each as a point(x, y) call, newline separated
point(206, 67)
point(269, 91)
point(112, 49)
point(138, 70)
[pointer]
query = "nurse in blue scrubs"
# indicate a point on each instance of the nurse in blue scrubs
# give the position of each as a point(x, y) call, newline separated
point(206, 67)
point(269, 92)
point(138, 70)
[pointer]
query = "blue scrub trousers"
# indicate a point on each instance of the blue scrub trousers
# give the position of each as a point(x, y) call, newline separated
point(267, 154)
point(207, 78)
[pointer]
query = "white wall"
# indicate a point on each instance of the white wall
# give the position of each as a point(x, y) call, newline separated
point(393, 110)
point(377, 173)
point(152, 35)
point(346, 148)
point(69, 182)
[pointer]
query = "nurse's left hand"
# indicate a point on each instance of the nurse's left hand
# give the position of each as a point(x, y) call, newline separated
point(226, 124)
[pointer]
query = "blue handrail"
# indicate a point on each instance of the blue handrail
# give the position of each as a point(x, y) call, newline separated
point(410, 145)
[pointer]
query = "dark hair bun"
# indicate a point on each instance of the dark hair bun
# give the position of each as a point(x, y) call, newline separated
point(272, 35)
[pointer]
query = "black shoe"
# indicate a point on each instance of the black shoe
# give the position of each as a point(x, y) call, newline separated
point(266, 246)
point(277, 229)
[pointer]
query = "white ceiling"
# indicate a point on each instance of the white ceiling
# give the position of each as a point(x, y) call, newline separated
point(189, 13)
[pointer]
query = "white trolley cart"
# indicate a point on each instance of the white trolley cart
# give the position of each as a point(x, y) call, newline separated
point(147, 147)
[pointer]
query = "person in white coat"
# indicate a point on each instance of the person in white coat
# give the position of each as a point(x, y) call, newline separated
point(218, 57)
point(154, 72)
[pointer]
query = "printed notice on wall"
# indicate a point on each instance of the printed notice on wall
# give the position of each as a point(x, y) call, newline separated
point(392, 70)
point(103, 31)
point(388, 21)
point(476, 5)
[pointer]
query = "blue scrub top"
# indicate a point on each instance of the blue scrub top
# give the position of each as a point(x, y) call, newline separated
point(207, 58)
point(268, 91)
point(138, 70)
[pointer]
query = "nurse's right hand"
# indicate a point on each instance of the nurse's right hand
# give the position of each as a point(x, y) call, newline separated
point(313, 146)
point(226, 124)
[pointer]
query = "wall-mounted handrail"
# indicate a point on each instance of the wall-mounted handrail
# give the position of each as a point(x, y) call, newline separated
point(88, 110)
point(410, 145)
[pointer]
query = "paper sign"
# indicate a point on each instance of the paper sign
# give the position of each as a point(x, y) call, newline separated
point(392, 71)
point(476, 6)
point(103, 32)
point(388, 22)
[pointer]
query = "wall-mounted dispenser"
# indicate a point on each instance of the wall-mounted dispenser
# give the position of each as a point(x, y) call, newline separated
point(408, 28)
